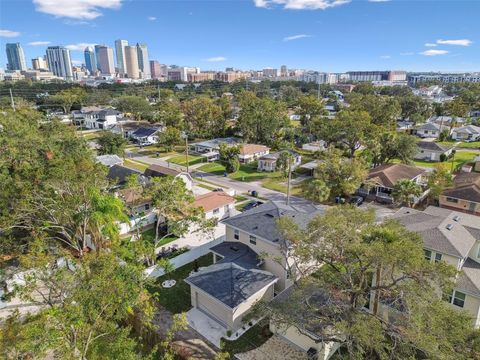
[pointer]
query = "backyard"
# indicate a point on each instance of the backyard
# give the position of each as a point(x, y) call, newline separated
point(461, 157)
point(149, 235)
point(246, 172)
point(252, 339)
point(463, 145)
point(177, 298)
point(182, 160)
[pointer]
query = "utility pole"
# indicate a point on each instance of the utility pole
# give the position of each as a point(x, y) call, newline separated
point(158, 88)
point(288, 182)
point(318, 91)
point(186, 149)
point(12, 101)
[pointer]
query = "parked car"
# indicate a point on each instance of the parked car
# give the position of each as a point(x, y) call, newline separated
point(251, 205)
point(356, 200)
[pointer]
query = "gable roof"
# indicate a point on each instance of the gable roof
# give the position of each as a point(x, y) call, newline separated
point(251, 149)
point(469, 279)
point(213, 200)
point(387, 175)
point(119, 173)
point(433, 146)
point(262, 220)
point(230, 283)
point(276, 155)
point(238, 253)
point(143, 132)
point(442, 230)
point(470, 129)
point(430, 127)
point(215, 143)
point(109, 160)
point(159, 170)
point(466, 186)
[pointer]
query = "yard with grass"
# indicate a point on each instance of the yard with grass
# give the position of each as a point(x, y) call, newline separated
point(246, 172)
point(463, 145)
point(182, 160)
point(92, 135)
point(461, 157)
point(149, 235)
point(177, 298)
point(252, 339)
point(136, 165)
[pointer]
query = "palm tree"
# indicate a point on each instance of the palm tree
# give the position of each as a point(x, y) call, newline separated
point(405, 192)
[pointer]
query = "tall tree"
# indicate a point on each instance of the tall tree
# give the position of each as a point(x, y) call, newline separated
point(134, 105)
point(170, 137)
point(311, 111)
point(405, 191)
point(439, 179)
point(203, 117)
point(111, 143)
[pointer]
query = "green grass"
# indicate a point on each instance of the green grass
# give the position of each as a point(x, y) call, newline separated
point(213, 168)
point(251, 339)
point(279, 184)
point(181, 160)
point(461, 157)
point(177, 298)
point(149, 235)
point(246, 172)
point(239, 198)
point(463, 145)
point(135, 165)
point(92, 135)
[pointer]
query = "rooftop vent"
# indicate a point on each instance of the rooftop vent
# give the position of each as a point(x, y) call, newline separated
point(449, 226)
point(269, 215)
point(234, 248)
point(456, 218)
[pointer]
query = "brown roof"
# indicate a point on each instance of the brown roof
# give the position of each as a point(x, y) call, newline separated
point(465, 186)
point(213, 200)
point(133, 197)
point(388, 175)
point(158, 170)
point(251, 149)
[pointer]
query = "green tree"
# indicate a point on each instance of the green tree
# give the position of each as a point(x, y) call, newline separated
point(169, 138)
point(438, 180)
point(357, 262)
point(316, 190)
point(229, 155)
point(405, 191)
point(389, 145)
point(134, 105)
point(111, 143)
point(311, 111)
point(203, 117)
point(285, 162)
point(67, 98)
point(169, 113)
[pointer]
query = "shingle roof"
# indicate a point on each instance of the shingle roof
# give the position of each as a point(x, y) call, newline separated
point(119, 173)
point(109, 160)
point(251, 149)
point(429, 127)
point(143, 132)
point(215, 143)
point(262, 220)
point(466, 186)
point(237, 253)
point(158, 170)
point(213, 200)
point(230, 283)
point(276, 155)
point(433, 146)
point(469, 279)
point(388, 175)
point(470, 129)
point(442, 230)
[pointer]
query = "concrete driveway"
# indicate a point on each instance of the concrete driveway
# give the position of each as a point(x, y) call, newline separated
point(206, 326)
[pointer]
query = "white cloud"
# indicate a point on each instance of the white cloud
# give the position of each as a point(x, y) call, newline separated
point(301, 4)
point(216, 59)
point(9, 33)
point(460, 42)
point(77, 62)
point(76, 9)
point(39, 43)
point(152, 18)
point(430, 44)
point(79, 46)
point(433, 52)
point(408, 53)
point(385, 57)
point(296, 37)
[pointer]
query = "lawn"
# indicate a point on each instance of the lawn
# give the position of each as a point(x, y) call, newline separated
point(279, 184)
point(135, 165)
point(460, 158)
point(246, 172)
point(92, 135)
point(464, 145)
point(252, 339)
point(181, 160)
point(149, 235)
point(177, 298)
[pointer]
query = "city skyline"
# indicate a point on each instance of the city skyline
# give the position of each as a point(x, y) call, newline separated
point(356, 35)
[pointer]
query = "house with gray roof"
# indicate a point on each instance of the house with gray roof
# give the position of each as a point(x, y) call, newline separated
point(432, 151)
point(453, 237)
point(464, 194)
point(466, 133)
point(268, 162)
point(431, 130)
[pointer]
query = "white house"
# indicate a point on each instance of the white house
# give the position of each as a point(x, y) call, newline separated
point(251, 152)
point(431, 130)
point(97, 119)
point(432, 151)
point(466, 133)
point(269, 162)
point(158, 170)
point(145, 136)
point(216, 204)
point(315, 146)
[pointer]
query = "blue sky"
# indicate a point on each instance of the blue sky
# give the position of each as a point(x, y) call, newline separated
point(324, 35)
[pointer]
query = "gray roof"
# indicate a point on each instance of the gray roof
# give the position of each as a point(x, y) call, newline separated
point(119, 173)
point(442, 230)
point(215, 143)
point(276, 155)
point(469, 279)
point(237, 253)
point(262, 220)
point(470, 129)
point(230, 283)
point(109, 160)
point(433, 146)
point(429, 127)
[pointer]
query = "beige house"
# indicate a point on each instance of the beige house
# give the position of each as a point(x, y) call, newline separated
point(269, 162)
point(432, 151)
point(464, 195)
point(453, 237)
point(251, 152)
point(216, 204)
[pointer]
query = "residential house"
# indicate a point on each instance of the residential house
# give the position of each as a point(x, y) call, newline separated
point(466, 133)
point(119, 174)
point(464, 196)
point(315, 146)
point(139, 210)
point(310, 166)
point(446, 120)
point(96, 118)
point(158, 170)
point(127, 127)
point(404, 126)
point(216, 204)
point(432, 151)
point(453, 237)
point(382, 179)
point(213, 145)
point(145, 135)
point(251, 152)
point(476, 164)
point(269, 162)
point(431, 130)
point(109, 160)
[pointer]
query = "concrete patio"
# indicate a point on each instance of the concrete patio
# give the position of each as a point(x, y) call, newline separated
point(206, 326)
point(273, 349)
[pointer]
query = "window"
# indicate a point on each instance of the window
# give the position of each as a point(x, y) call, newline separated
point(458, 298)
point(438, 257)
point(452, 200)
point(236, 234)
point(216, 211)
point(428, 255)
point(253, 240)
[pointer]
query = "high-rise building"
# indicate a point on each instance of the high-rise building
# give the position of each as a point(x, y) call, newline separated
point(131, 61)
point(15, 57)
point(269, 72)
point(90, 61)
point(39, 63)
point(155, 69)
point(283, 70)
point(143, 63)
point(59, 62)
point(120, 52)
point(104, 55)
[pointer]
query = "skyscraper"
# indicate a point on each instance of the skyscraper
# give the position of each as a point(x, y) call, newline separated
point(15, 57)
point(120, 52)
point(131, 60)
point(59, 62)
point(39, 63)
point(155, 69)
point(90, 61)
point(104, 55)
point(143, 63)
